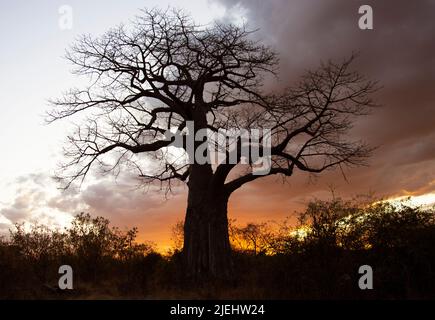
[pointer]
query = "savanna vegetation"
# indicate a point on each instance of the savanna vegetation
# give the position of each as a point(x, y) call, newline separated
point(318, 259)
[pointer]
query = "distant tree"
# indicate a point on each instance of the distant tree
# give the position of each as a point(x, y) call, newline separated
point(165, 71)
point(93, 238)
point(256, 238)
point(177, 236)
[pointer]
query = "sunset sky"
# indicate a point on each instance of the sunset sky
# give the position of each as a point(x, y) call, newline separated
point(399, 53)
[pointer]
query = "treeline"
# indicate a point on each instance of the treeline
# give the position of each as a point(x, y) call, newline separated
point(106, 261)
point(318, 259)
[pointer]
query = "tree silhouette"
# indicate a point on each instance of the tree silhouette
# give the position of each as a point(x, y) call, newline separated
point(165, 71)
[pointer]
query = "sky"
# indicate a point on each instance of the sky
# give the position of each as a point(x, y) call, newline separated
point(399, 52)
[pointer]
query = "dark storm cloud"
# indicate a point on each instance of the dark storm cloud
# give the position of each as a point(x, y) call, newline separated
point(399, 53)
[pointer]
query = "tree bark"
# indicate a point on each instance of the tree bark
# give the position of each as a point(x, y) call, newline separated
point(206, 241)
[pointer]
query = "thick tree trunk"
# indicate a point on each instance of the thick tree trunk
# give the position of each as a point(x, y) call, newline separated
point(206, 242)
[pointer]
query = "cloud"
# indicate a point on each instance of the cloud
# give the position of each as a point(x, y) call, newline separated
point(32, 193)
point(399, 52)
point(38, 200)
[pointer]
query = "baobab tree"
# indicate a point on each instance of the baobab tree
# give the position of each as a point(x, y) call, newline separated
point(164, 71)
